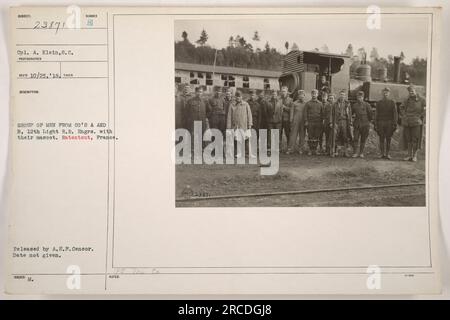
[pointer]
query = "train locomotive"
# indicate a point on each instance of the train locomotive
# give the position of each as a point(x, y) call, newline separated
point(309, 70)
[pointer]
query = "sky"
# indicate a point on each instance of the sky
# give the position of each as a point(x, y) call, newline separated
point(407, 33)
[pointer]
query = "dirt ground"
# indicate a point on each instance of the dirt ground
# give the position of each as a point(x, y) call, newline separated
point(302, 172)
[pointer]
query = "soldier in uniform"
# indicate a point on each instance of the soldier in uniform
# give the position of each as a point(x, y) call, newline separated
point(341, 121)
point(327, 108)
point(262, 101)
point(180, 107)
point(386, 117)
point(412, 114)
point(240, 119)
point(274, 115)
point(314, 121)
point(227, 101)
point(196, 111)
point(323, 98)
point(216, 112)
point(255, 107)
point(287, 105)
point(297, 118)
point(362, 116)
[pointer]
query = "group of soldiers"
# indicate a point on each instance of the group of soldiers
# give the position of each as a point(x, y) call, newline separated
point(328, 124)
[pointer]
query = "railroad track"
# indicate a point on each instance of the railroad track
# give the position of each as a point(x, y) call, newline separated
point(296, 192)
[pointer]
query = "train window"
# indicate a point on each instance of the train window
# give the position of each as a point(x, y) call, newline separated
point(266, 86)
point(245, 78)
point(231, 84)
point(231, 78)
point(225, 83)
point(246, 85)
point(209, 75)
point(177, 79)
point(266, 80)
point(209, 82)
point(200, 75)
point(224, 77)
point(195, 81)
point(192, 75)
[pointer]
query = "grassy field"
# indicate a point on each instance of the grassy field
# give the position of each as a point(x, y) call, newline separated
point(301, 172)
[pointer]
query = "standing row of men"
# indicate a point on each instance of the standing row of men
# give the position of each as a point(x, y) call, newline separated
point(337, 120)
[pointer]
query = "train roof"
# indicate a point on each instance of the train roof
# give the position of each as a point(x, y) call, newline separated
point(296, 60)
point(323, 54)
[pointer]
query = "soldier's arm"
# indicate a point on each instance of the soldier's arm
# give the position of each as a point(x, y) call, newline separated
point(350, 113)
point(230, 111)
point(322, 113)
point(395, 113)
point(423, 109)
point(306, 112)
point(375, 114)
point(330, 116)
point(369, 111)
point(208, 108)
point(249, 117)
point(260, 111)
point(291, 115)
point(286, 106)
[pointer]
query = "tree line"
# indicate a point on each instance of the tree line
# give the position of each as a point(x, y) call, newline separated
point(242, 53)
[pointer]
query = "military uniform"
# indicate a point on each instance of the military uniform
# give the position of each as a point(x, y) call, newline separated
point(297, 118)
point(216, 114)
point(195, 111)
point(362, 113)
point(340, 119)
point(412, 113)
point(274, 117)
point(386, 118)
point(180, 111)
point(327, 128)
point(226, 105)
point(286, 123)
point(314, 119)
point(256, 113)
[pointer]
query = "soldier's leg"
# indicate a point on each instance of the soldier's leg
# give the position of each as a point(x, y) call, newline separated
point(381, 138)
point(356, 137)
point(269, 136)
point(288, 132)
point(345, 138)
point(407, 133)
point(317, 132)
point(340, 138)
point(301, 138)
point(389, 131)
point(415, 137)
point(364, 131)
point(293, 138)
point(327, 131)
point(278, 126)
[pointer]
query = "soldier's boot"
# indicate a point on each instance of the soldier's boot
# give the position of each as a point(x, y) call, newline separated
point(388, 148)
point(361, 149)
point(409, 157)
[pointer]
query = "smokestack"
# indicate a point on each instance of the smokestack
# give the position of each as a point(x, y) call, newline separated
point(397, 69)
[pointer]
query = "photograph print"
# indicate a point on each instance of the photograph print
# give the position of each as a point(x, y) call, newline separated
point(301, 111)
